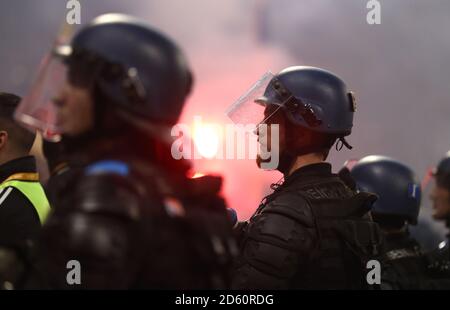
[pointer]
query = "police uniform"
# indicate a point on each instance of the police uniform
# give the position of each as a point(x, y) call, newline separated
point(136, 226)
point(313, 232)
point(438, 265)
point(23, 204)
point(405, 266)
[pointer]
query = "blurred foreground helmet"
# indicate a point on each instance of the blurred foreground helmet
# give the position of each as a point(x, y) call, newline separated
point(134, 68)
point(313, 98)
point(395, 184)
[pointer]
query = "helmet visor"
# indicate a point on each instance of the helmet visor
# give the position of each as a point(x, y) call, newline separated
point(251, 109)
point(37, 110)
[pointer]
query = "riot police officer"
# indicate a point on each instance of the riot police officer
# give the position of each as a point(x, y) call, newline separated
point(397, 206)
point(128, 214)
point(313, 231)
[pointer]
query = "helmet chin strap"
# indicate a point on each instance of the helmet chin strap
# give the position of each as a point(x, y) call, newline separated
point(288, 157)
point(341, 143)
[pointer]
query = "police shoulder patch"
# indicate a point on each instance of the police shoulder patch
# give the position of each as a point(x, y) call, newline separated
point(108, 166)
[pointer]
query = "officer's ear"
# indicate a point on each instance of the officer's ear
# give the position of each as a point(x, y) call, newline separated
point(3, 139)
point(302, 137)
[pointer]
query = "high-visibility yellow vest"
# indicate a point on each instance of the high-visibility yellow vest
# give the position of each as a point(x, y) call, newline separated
point(28, 184)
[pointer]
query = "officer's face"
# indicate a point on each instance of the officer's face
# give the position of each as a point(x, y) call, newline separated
point(75, 110)
point(440, 198)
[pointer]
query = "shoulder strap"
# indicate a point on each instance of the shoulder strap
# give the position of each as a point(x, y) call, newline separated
point(108, 166)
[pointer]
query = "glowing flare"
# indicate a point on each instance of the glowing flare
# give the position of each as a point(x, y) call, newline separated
point(206, 139)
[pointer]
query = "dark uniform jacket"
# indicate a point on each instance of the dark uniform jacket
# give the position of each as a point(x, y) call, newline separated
point(405, 266)
point(19, 220)
point(132, 224)
point(312, 232)
point(439, 264)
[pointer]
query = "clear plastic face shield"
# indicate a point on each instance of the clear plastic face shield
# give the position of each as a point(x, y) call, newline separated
point(37, 110)
point(251, 113)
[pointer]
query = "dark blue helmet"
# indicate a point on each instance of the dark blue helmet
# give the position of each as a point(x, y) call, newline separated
point(138, 69)
point(319, 100)
point(395, 184)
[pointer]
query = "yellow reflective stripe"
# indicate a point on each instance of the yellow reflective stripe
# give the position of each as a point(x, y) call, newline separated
point(35, 194)
point(25, 176)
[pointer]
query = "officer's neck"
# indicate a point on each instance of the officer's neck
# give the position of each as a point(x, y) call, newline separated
point(305, 160)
